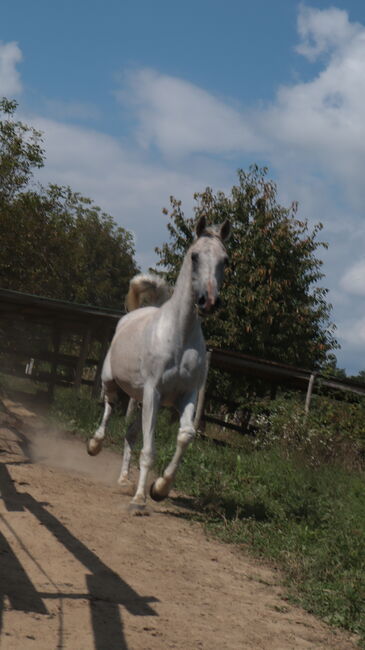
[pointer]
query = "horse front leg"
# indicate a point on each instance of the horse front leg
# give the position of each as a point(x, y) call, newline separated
point(150, 405)
point(161, 487)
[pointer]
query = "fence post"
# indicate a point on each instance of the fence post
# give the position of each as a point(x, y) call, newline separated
point(201, 394)
point(309, 394)
point(82, 358)
point(56, 341)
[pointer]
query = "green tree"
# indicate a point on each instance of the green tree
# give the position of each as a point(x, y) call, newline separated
point(20, 152)
point(273, 305)
point(58, 244)
point(55, 242)
point(360, 377)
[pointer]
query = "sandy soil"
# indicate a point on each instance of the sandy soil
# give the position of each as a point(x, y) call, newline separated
point(78, 572)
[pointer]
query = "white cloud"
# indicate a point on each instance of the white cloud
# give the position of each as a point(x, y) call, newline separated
point(119, 179)
point(353, 281)
point(312, 135)
point(96, 165)
point(182, 119)
point(323, 118)
point(315, 128)
point(10, 84)
point(322, 31)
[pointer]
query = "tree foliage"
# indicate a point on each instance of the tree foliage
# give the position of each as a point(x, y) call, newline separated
point(273, 305)
point(20, 152)
point(54, 242)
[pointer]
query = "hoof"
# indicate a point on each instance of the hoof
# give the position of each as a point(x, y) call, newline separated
point(127, 487)
point(93, 447)
point(156, 496)
point(138, 509)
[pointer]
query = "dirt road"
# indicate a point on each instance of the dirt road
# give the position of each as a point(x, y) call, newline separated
point(77, 572)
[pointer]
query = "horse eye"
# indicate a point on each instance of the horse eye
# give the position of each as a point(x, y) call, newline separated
point(195, 258)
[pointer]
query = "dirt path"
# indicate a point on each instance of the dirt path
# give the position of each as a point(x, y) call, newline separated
point(78, 572)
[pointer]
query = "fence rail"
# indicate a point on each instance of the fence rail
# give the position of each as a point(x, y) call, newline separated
point(92, 324)
point(61, 323)
point(282, 373)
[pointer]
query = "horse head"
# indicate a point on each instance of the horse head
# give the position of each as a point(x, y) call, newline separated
point(208, 260)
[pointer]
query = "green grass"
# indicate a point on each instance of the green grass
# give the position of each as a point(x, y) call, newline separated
point(310, 521)
point(13, 384)
point(294, 494)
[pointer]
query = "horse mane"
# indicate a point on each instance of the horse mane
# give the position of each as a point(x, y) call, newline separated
point(146, 290)
point(211, 231)
point(214, 230)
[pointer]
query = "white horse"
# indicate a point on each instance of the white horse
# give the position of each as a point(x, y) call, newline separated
point(145, 290)
point(157, 357)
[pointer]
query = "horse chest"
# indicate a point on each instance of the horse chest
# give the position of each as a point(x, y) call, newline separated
point(178, 372)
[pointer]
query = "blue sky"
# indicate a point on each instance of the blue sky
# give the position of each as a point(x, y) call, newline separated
point(141, 100)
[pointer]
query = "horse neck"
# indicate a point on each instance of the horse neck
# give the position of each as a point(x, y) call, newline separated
point(182, 300)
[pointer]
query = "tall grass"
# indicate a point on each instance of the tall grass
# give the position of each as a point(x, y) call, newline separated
point(294, 494)
point(82, 415)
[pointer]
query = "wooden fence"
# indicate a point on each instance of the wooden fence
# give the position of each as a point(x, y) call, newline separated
point(53, 341)
point(71, 341)
point(274, 374)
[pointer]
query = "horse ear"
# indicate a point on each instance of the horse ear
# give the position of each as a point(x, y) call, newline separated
point(200, 226)
point(225, 230)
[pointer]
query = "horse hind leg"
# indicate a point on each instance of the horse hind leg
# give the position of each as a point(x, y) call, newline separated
point(134, 427)
point(94, 444)
point(150, 405)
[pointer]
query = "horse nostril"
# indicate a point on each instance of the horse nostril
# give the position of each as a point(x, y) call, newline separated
point(201, 301)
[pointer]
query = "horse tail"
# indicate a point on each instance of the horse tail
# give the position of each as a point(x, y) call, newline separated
point(145, 290)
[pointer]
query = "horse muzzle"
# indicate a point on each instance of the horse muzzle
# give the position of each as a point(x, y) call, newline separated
point(207, 306)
